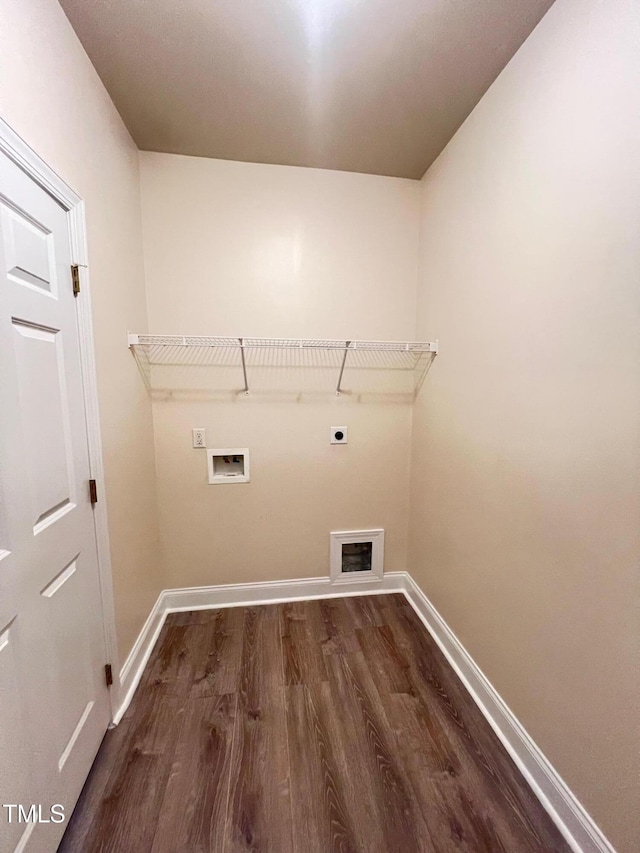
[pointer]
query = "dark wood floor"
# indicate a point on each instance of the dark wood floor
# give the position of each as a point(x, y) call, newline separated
point(312, 727)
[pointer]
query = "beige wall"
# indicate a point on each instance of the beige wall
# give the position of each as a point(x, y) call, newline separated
point(525, 524)
point(273, 251)
point(51, 95)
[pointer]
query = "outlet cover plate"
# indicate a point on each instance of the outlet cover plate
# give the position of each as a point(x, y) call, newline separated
point(199, 438)
point(339, 435)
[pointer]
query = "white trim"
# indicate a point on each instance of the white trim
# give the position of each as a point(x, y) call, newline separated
point(275, 592)
point(131, 672)
point(94, 436)
point(17, 150)
point(338, 538)
point(31, 164)
point(578, 828)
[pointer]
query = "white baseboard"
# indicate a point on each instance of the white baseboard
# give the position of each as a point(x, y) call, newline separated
point(133, 667)
point(580, 831)
point(578, 828)
point(275, 592)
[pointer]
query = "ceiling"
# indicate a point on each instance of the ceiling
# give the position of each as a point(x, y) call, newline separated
point(371, 86)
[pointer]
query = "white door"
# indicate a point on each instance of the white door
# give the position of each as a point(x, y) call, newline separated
point(54, 704)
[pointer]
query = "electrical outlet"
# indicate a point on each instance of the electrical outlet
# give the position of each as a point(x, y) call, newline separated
point(339, 435)
point(199, 437)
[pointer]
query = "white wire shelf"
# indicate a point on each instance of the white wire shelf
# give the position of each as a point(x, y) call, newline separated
point(247, 353)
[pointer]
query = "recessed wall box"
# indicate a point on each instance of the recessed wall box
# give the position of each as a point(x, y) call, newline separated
point(356, 555)
point(228, 465)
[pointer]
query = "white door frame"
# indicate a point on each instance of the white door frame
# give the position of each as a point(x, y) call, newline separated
point(23, 156)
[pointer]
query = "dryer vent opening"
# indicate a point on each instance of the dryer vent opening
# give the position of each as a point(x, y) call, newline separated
point(356, 556)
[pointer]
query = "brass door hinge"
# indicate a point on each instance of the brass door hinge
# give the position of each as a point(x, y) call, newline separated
point(75, 278)
point(108, 674)
point(93, 491)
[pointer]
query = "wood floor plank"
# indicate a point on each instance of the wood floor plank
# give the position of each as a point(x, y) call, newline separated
point(386, 659)
point(303, 657)
point(82, 823)
point(363, 611)
point(328, 726)
point(332, 625)
point(170, 668)
point(389, 817)
point(322, 793)
point(490, 772)
point(259, 812)
point(189, 617)
point(433, 770)
point(146, 740)
point(193, 813)
point(217, 666)
point(130, 805)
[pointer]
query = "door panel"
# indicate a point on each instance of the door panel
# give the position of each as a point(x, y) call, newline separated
point(52, 691)
point(43, 411)
point(29, 251)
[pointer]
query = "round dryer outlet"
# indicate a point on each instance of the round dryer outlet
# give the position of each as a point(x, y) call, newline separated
point(339, 435)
